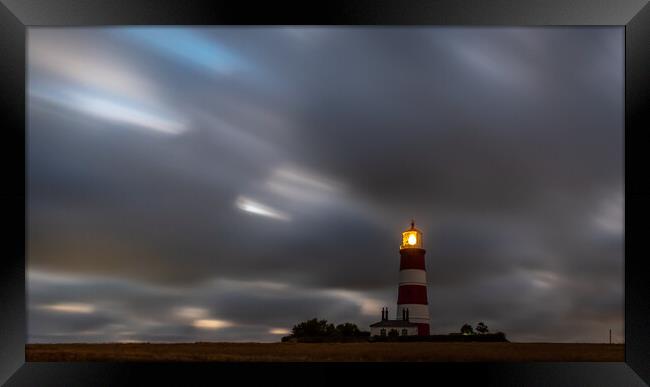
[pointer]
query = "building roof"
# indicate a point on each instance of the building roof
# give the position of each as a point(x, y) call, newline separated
point(393, 324)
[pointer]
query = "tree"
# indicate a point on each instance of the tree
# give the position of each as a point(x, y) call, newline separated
point(347, 329)
point(482, 328)
point(313, 328)
point(316, 328)
point(467, 329)
point(329, 329)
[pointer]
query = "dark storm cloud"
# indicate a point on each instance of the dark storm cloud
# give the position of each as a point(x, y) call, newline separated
point(293, 158)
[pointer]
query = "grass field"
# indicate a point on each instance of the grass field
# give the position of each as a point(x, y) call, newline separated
point(344, 352)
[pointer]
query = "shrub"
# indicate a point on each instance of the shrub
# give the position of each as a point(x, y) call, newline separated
point(467, 329)
point(482, 328)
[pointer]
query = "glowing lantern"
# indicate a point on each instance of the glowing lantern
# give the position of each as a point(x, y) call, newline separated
point(411, 238)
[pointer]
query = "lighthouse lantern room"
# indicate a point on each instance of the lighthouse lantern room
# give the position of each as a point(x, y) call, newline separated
point(411, 238)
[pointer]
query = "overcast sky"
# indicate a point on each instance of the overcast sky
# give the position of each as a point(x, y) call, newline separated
point(223, 184)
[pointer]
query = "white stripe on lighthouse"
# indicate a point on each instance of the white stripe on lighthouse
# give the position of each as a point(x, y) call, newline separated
point(417, 313)
point(412, 276)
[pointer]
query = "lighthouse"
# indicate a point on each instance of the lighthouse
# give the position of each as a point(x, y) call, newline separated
point(412, 305)
point(412, 293)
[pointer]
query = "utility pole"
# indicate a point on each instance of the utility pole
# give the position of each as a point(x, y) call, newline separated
point(610, 335)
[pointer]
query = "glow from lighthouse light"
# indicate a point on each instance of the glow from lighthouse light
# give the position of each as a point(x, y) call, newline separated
point(412, 239)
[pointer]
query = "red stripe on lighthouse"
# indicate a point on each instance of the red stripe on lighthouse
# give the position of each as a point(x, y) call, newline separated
point(412, 294)
point(411, 259)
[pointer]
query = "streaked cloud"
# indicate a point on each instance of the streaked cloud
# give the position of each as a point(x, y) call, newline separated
point(610, 215)
point(69, 308)
point(84, 65)
point(211, 324)
point(296, 184)
point(86, 78)
point(118, 112)
point(260, 209)
point(191, 312)
point(544, 279)
point(368, 306)
point(185, 46)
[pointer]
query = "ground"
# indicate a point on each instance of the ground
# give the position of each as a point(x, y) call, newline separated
point(443, 352)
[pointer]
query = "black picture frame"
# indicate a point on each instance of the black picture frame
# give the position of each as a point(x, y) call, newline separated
point(17, 15)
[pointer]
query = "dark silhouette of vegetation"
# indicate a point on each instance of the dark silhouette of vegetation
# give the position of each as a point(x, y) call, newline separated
point(467, 329)
point(313, 328)
point(316, 330)
point(348, 329)
point(482, 328)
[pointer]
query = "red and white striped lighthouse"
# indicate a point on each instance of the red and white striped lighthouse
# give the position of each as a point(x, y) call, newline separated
point(412, 295)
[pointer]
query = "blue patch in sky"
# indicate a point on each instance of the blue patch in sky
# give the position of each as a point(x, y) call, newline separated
point(185, 46)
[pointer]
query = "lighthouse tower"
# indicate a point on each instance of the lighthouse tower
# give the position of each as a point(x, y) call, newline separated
point(412, 295)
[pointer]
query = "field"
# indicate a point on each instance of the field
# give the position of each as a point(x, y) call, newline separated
point(343, 352)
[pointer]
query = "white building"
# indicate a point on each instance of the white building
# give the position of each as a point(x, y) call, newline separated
point(387, 327)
